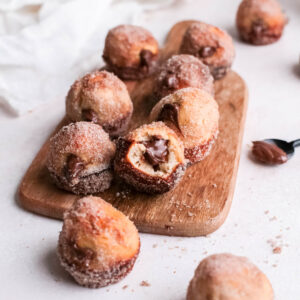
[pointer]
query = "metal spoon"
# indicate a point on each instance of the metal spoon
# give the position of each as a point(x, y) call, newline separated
point(287, 147)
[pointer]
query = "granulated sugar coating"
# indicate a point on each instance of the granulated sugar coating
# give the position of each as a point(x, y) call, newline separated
point(85, 140)
point(210, 44)
point(124, 43)
point(260, 22)
point(181, 71)
point(150, 158)
point(196, 119)
point(233, 277)
point(100, 97)
point(98, 245)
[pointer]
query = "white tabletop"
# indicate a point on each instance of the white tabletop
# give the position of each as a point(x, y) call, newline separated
point(266, 202)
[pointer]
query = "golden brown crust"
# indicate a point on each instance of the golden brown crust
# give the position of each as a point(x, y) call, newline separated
point(98, 245)
point(131, 52)
point(196, 122)
point(181, 71)
point(79, 158)
point(86, 185)
point(142, 175)
point(229, 277)
point(102, 98)
point(213, 46)
point(198, 153)
point(260, 22)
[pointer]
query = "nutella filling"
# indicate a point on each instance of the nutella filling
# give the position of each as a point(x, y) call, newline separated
point(207, 51)
point(219, 72)
point(146, 58)
point(156, 151)
point(171, 81)
point(73, 167)
point(89, 115)
point(169, 112)
point(268, 153)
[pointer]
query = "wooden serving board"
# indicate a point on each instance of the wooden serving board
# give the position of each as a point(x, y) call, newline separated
point(199, 204)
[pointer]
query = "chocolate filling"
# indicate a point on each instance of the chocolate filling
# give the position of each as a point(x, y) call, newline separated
point(73, 167)
point(207, 51)
point(219, 72)
point(170, 81)
point(156, 151)
point(169, 112)
point(268, 153)
point(89, 115)
point(146, 57)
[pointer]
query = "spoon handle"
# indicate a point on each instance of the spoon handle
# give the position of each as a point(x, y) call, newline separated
point(296, 143)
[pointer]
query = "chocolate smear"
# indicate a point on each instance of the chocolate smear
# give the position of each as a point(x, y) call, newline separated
point(146, 57)
point(169, 112)
point(156, 150)
point(73, 167)
point(268, 153)
point(89, 115)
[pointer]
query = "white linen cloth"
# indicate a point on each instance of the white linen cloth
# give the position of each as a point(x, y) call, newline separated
point(46, 45)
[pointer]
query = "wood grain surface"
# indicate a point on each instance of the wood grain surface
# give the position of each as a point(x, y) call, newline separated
point(199, 204)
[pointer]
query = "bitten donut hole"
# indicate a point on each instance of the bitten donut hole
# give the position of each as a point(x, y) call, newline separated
point(154, 156)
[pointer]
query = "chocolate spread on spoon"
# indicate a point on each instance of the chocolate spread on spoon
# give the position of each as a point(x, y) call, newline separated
point(268, 153)
point(73, 167)
point(156, 150)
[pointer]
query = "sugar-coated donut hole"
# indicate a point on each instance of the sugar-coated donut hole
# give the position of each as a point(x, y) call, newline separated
point(260, 22)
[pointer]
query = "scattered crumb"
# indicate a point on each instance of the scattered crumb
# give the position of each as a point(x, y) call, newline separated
point(174, 272)
point(169, 227)
point(277, 250)
point(288, 228)
point(118, 194)
point(132, 290)
point(189, 194)
point(274, 266)
point(266, 212)
point(154, 245)
point(214, 185)
point(205, 252)
point(190, 175)
point(235, 224)
point(165, 241)
point(266, 262)
point(144, 283)
point(125, 287)
point(273, 218)
point(107, 290)
point(190, 214)
point(278, 236)
point(172, 218)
